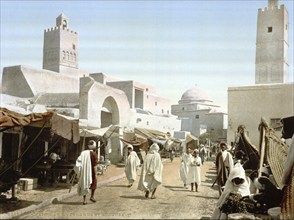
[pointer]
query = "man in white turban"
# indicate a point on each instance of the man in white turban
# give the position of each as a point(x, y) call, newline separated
point(131, 166)
point(151, 173)
point(86, 171)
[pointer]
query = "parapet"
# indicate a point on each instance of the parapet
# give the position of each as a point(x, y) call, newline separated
point(281, 7)
point(59, 28)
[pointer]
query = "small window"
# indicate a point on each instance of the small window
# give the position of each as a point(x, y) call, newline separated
point(183, 108)
point(162, 111)
point(270, 29)
point(74, 46)
point(196, 116)
point(147, 122)
point(155, 103)
point(168, 112)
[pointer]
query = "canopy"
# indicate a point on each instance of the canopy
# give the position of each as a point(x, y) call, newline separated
point(63, 126)
point(108, 131)
point(190, 138)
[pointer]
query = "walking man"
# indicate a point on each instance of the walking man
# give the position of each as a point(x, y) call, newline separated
point(185, 164)
point(151, 172)
point(86, 168)
point(131, 166)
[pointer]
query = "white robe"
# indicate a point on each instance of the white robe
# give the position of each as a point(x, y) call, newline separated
point(194, 170)
point(184, 168)
point(83, 169)
point(151, 172)
point(228, 159)
point(243, 189)
point(132, 163)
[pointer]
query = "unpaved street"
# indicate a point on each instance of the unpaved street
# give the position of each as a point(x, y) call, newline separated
point(116, 201)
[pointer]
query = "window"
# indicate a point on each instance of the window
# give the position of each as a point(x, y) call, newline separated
point(155, 103)
point(73, 46)
point(183, 108)
point(196, 116)
point(162, 111)
point(139, 120)
point(270, 29)
point(147, 122)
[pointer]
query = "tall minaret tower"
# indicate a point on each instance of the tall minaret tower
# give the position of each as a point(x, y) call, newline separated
point(271, 62)
point(60, 52)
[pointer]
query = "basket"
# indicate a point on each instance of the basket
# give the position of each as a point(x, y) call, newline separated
point(288, 199)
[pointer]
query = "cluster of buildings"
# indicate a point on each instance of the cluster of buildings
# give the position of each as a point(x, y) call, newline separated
point(99, 101)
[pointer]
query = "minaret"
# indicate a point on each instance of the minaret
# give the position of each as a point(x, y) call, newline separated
point(60, 52)
point(271, 61)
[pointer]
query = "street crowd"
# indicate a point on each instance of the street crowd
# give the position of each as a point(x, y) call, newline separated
point(238, 192)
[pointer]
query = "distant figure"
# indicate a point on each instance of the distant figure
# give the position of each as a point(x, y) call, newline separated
point(151, 172)
point(86, 168)
point(194, 174)
point(171, 154)
point(202, 153)
point(131, 166)
point(185, 164)
point(224, 163)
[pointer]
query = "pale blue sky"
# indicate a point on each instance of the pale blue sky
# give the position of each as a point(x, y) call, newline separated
point(172, 45)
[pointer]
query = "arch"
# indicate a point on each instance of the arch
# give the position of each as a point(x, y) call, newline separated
point(109, 112)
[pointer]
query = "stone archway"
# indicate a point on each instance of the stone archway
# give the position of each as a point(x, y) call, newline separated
point(109, 112)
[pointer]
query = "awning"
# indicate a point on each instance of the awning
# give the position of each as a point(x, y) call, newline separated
point(63, 126)
point(149, 133)
point(108, 131)
point(190, 138)
point(10, 118)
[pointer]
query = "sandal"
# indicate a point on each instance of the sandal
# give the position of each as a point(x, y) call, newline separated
point(84, 203)
point(153, 197)
point(92, 199)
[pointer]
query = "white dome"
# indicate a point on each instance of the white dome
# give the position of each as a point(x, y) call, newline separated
point(195, 94)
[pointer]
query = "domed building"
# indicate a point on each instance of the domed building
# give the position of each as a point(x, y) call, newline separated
point(199, 114)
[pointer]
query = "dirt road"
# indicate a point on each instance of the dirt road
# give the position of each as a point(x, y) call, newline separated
point(117, 201)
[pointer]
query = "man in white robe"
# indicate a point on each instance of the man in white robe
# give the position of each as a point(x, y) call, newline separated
point(194, 174)
point(151, 172)
point(83, 169)
point(185, 164)
point(131, 166)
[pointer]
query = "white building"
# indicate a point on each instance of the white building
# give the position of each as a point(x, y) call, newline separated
point(273, 96)
point(96, 99)
point(199, 114)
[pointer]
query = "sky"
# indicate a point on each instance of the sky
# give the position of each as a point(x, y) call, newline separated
point(171, 45)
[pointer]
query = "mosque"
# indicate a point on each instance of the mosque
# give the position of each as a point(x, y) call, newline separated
point(199, 114)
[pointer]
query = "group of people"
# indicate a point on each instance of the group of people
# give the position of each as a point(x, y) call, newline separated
point(243, 193)
point(151, 171)
point(236, 186)
point(190, 169)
